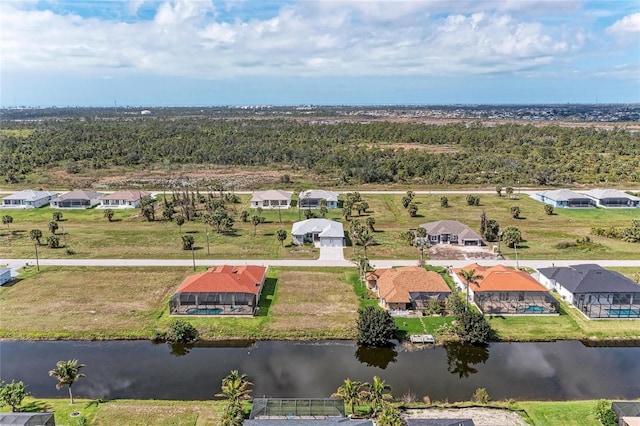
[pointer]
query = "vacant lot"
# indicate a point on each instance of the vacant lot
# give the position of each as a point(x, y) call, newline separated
point(100, 303)
point(89, 234)
point(314, 304)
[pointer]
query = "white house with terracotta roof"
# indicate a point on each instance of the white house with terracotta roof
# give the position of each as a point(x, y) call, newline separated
point(407, 288)
point(612, 198)
point(271, 199)
point(504, 291)
point(311, 199)
point(222, 290)
point(78, 199)
point(323, 232)
point(124, 199)
point(28, 199)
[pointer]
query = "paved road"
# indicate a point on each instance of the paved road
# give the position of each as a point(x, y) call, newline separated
point(18, 263)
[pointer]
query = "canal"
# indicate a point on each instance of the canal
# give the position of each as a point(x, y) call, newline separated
point(143, 370)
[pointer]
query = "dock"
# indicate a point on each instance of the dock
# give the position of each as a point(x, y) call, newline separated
point(422, 338)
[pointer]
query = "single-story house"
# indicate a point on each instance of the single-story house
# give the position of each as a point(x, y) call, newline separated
point(451, 232)
point(222, 290)
point(565, 198)
point(28, 199)
point(28, 419)
point(311, 198)
point(272, 199)
point(407, 288)
point(5, 275)
point(125, 199)
point(506, 291)
point(595, 291)
point(324, 232)
point(78, 199)
point(609, 198)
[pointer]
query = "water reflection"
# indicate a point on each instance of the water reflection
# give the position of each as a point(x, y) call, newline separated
point(376, 357)
point(461, 358)
point(179, 349)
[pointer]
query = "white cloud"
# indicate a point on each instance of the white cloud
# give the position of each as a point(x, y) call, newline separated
point(628, 24)
point(303, 39)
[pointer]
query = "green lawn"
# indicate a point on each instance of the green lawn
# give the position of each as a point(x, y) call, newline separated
point(89, 235)
point(561, 413)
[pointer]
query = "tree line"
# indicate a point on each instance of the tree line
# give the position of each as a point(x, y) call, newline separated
point(464, 153)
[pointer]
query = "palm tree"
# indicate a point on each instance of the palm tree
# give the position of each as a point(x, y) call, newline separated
point(35, 234)
point(469, 278)
point(365, 239)
point(282, 235)
point(53, 227)
point(377, 394)
point(7, 220)
point(108, 214)
point(256, 220)
point(67, 373)
point(235, 388)
point(351, 392)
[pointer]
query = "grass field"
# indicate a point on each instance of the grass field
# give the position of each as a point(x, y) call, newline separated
point(201, 413)
point(130, 412)
point(89, 234)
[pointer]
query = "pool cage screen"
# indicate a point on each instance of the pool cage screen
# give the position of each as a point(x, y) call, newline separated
point(297, 407)
point(181, 302)
point(609, 305)
point(516, 303)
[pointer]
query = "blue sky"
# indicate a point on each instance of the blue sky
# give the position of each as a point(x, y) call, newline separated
point(242, 52)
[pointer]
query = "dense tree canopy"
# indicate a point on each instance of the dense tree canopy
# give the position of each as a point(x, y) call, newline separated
point(464, 153)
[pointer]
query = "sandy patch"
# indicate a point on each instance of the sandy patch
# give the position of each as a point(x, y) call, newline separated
point(480, 416)
point(452, 252)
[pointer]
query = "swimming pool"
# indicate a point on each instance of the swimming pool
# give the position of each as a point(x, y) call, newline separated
point(204, 311)
point(533, 309)
point(625, 313)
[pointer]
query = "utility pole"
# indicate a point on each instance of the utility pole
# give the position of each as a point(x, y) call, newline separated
point(35, 244)
point(206, 230)
point(515, 247)
point(193, 257)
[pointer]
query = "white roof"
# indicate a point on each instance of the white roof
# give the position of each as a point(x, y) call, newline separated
point(562, 195)
point(609, 193)
point(319, 194)
point(322, 227)
point(30, 195)
point(272, 194)
point(126, 195)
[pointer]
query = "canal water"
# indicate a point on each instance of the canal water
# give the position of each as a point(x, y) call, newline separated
point(143, 370)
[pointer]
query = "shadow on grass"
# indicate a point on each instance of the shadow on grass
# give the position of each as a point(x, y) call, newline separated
point(266, 298)
point(36, 407)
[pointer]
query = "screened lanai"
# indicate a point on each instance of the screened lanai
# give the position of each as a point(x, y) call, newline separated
point(516, 302)
point(609, 305)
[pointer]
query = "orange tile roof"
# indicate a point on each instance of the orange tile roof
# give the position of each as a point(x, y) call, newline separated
point(395, 284)
point(225, 279)
point(501, 278)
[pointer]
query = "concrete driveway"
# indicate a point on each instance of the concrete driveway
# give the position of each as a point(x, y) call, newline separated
point(331, 253)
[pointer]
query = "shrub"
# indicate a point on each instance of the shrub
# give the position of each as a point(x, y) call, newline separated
point(604, 414)
point(454, 305)
point(548, 209)
point(444, 201)
point(562, 245)
point(12, 394)
point(473, 327)
point(181, 331)
point(434, 306)
point(481, 396)
point(375, 327)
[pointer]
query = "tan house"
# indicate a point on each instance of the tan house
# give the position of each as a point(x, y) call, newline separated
point(125, 199)
point(407, 288)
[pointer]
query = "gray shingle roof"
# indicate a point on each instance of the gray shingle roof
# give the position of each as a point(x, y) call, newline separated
point(601, 194)
point(451, 227)
point(30, 195)
point(562, 195)
point(319, 194)
point(325, 228)
point(590, 278)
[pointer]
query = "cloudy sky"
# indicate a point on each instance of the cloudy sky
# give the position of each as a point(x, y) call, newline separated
point(239, 52)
